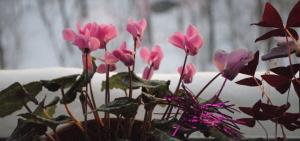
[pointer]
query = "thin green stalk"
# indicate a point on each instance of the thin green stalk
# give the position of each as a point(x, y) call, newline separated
point(178, 85)
point(213, 79)
point(130, 82)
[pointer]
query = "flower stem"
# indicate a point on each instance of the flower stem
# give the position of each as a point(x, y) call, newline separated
point(265, 130)
point(178, 85)
point(181, 74)
point(76, 122)
point(96, 114)
point(27, 108)
point(134, 49)
point(222, 87)
point(207, 85)
point(147, 77)
point(130, 82)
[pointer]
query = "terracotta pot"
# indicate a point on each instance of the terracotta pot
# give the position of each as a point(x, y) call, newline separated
point(71, 132)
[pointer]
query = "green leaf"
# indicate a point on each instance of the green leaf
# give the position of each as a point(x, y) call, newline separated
point(71, 94)
point(53, 102)
point(27, 131)
point(61, 82)
point(121, 106)
point(218, 135)
point(45, 112)
point(51, 123)
point(15, 96)
point(121, 81)
point(160, 135)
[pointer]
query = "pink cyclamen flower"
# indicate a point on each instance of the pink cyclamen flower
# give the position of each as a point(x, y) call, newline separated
point(230, 64)
point(106, 32)
point(191, 42)
point(188, 72)
point(108, 60)
point(125, 55)
point(154, 57)
point(85, 40)
point(136, 29)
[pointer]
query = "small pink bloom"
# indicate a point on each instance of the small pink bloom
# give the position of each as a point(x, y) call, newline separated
point(106, 33)
point(124, 55)
point(102, 68)
point(147, 74)
point(154, 57)
point(85, 39)
point(188, 72)
point(109, 58)
point(191, 42)
point(136, 29)
point(230, 64)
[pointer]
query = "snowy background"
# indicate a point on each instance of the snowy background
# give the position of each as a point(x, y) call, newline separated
point(30, 30)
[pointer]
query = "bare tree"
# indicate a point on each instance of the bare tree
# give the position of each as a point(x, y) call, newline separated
point(48, 26)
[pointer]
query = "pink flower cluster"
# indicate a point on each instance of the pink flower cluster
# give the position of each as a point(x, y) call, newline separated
point(93, 36)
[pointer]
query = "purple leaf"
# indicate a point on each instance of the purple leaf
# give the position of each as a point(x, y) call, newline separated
point(280, 83)
point(249, 82)
point(252, 65)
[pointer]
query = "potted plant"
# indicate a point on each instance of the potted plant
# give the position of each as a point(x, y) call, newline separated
point(185, 112)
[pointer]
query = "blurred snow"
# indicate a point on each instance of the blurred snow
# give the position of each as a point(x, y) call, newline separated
point(30, 30)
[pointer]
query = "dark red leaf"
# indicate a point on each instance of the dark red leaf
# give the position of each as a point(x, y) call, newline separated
point(280, 83)
point(250, 122)
point(274, 111)
point(249, 82)
point(286, 71)
point(273, 33)
point(291, 127)
point(271, 17)
point(252, 65)
point(297, 86)
point(288, 118)
point(247, 110)
point(294, 16)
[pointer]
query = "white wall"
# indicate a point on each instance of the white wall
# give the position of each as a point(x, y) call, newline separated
point(240, 95)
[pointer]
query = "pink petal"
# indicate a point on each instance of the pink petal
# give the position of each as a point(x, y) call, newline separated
point(147, 74)
point(156, 56)
point(123, 46)
point(142, 25)
point(111, 32)
point(109, 58)
point(220, 58)
point(112, 67)
point(69, 35)
point(194, 44)
point(132, 27)
point(101, 68)
point(177, 39)
point(191, 30)
point(236, 60)
point(190, 72)
point(80, 41)
point(126, 56)
point(106, 33)
point(145, 53)
point(94, 43)
point(180, 69)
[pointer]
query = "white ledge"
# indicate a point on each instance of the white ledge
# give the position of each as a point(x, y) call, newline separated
point(239, 95)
